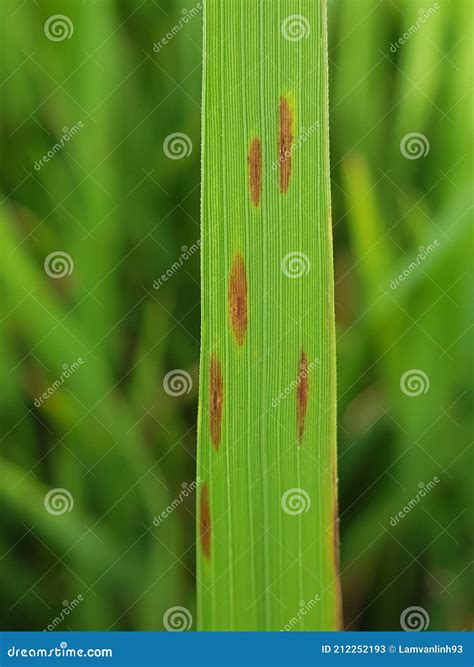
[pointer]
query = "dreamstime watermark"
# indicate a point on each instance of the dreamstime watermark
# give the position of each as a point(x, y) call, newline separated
point(186, 16)
point(58, 28)
point(295, 264)
point(414, 382)
point(58, 501)
point(424, 16)
point(414, 145)
point(177, 619)
point(186, 254)
point(58, 264)
point(178, 145)
point(305, 607)
point(304, 135)
point(61, 651)
point(68, 370)
point(68, 607)
point(424, 490)
point(295, 501)
point(294, 384)
point(187, 490)
point(67, 135)
point(414, 619)
point(423, 253)
point(177, 382)
point(295, 27)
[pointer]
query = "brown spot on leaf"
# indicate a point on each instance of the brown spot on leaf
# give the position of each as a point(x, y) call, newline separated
point(215, 400)
point(255, 170)
point(238, 299)
point(285, 143)
point(205, 521)
point(302, 394)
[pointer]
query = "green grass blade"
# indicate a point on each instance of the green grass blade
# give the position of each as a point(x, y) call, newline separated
point(267, 543)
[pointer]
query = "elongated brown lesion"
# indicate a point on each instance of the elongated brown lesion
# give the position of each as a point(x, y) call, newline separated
point(302, 394)
point(255, 170)
point(285, 143)
point(238, 299)
point(205, 521)
point(216, 399)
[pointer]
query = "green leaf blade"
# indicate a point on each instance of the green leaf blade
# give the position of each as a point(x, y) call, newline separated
point(270, 479)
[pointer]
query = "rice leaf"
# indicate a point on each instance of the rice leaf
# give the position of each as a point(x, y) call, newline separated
point(267, 509)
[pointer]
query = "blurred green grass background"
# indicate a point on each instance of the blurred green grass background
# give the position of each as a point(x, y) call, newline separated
point(123, 211)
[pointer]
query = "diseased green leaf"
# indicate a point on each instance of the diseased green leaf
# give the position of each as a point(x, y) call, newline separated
point(267, 509)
